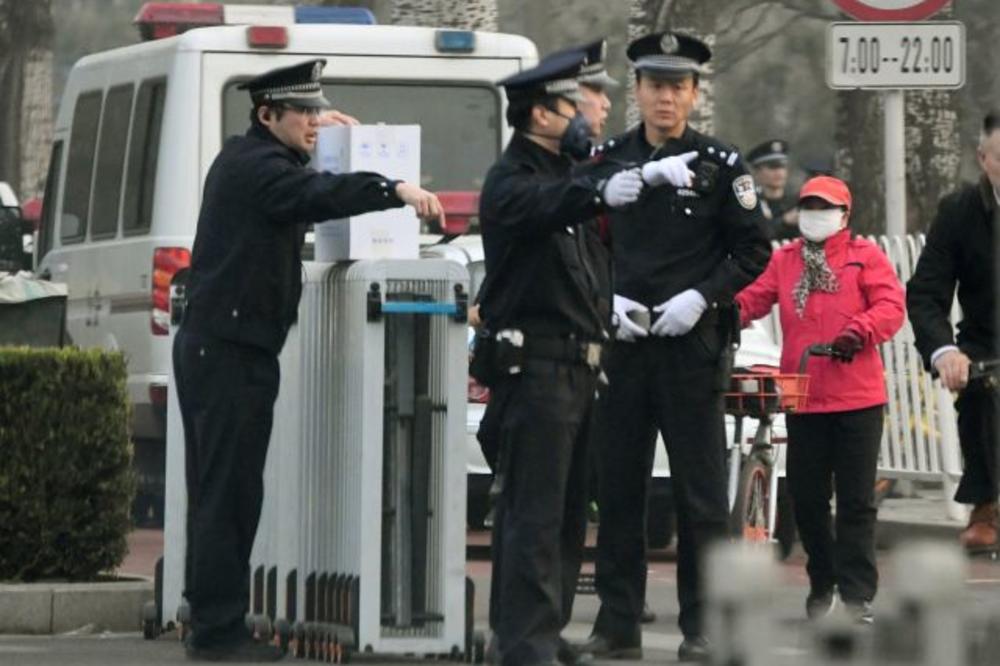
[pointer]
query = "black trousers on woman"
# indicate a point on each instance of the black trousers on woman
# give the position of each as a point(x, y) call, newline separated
point(827, 452)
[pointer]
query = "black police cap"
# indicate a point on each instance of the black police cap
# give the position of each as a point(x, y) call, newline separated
point(773, 150)
point(594, 70)
point(297, 84)
point(555, 74)
point(668, 54)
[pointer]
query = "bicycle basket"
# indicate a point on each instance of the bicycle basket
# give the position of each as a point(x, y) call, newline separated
point(753, 394)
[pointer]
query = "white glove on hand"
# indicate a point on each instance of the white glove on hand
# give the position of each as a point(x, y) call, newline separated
point(628, 330)
point(679, 314)
point(622, 188)
point(673, 170)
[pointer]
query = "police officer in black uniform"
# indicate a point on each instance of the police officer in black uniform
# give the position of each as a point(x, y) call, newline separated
point(769, 162)
point(243, 294)
point(680, 254)
point(539, 305)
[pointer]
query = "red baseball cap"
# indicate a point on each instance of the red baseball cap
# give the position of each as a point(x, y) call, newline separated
point(827, 188)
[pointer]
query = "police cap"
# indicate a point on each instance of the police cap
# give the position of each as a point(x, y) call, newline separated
point(555, 74)
point(297, 84)
point(772, 151)
point(668, 55)
point(594, 71)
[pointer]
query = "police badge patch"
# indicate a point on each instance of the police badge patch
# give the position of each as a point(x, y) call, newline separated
point(745, 191)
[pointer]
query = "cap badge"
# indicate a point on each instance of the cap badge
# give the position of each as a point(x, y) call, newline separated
point(776, 147)
point(668, 44)
point(604, 50)
point(317, 70)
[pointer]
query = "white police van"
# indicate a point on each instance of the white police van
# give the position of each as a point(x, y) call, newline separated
point(139, 126)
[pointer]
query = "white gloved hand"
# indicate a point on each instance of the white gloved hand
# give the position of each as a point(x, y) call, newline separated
point(673, 170)
point(628, 330)
point(622, 188)
point(679, 314)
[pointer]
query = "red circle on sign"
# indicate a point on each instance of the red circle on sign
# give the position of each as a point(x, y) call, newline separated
point(919, 10)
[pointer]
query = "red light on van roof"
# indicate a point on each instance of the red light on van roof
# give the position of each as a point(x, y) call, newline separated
point(166, 19)
point(267, 36)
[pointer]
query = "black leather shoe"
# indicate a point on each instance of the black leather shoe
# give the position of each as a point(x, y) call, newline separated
point(694, 648)
point(602, 647)
point(860, 612)
point(571, 655)
point(243, 652)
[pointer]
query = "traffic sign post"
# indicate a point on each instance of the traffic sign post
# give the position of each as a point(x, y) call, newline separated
point(891, 48)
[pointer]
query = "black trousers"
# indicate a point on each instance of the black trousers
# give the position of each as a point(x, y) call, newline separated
point(226, 393)
point(836, 450)
point(977, 422)
point(540, 520)
point(671, 386)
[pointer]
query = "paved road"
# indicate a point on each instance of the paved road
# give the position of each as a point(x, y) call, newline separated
point(791, 642)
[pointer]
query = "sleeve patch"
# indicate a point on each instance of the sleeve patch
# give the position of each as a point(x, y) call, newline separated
point(745, 191)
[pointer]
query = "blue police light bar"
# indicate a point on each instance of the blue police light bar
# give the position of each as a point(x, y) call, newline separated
point(455, 41)
point(355, 15)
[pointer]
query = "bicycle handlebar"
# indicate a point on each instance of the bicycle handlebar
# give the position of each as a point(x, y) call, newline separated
point(819, 349)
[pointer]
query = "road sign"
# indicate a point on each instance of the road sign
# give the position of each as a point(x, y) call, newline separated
point(923, 54)
point(891, 10)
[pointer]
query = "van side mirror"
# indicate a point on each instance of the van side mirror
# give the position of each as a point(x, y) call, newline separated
point(460, 207)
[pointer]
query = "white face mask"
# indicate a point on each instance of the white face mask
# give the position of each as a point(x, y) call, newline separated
point(818, 225)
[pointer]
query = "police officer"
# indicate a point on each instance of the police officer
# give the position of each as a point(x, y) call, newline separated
point(540, 303)
point(243, 290)
point(680, 254)
point(769, 162)
point(960, 253)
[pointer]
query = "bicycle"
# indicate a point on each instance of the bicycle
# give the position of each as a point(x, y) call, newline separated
point(753, 484)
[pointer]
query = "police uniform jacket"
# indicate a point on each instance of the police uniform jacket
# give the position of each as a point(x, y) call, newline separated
point(959, 249)
point(710, 237)
point(246, 273)
point(537, 258)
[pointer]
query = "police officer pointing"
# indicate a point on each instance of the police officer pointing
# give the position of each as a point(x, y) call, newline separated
point(243, 294)
point(680, 254)
point(539, 307)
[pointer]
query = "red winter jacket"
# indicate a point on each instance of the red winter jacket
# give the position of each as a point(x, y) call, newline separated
point(870, 302)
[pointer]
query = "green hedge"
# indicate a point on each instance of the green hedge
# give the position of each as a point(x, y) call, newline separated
point(66, 481)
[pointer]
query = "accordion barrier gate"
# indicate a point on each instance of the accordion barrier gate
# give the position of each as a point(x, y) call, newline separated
point(361, 543)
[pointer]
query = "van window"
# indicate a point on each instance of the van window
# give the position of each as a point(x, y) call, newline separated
point(460, 123)
point(80, 169)
point(49, 201)
point(110, 160)
point(143, 155)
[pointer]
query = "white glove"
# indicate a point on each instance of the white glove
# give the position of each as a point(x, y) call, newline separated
point(679, 314)
point(622, 188)
point(673, 170)
point(628, 330)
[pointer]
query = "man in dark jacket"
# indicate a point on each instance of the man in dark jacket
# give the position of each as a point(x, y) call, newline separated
point(540, 303)
point(680, 254)
point(960, 252)
point(243, 294)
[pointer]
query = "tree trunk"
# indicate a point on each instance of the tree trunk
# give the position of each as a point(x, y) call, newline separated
point(26, 81)
point(859, 158)
point(463, 14)
point(694, 17)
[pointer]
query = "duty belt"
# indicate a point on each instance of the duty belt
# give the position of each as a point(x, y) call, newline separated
point(567, 350)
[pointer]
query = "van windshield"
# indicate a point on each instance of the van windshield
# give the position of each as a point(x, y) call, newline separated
point(460, 123)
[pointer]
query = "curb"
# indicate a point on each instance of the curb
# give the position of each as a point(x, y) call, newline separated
point(56, 608)
point(890, 533)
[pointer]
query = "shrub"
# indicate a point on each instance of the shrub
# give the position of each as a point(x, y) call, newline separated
point(66, 481)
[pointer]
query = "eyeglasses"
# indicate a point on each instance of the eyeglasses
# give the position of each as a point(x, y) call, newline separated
point(304, 110)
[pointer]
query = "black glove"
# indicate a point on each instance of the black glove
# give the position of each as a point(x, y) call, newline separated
point(846, 345)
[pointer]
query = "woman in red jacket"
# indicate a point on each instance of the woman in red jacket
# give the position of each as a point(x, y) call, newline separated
point(831, 288)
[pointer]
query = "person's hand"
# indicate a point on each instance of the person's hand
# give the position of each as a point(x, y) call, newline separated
point(622, 188)
point(953, 369)
point(847, 343)
point(673, 170)
point(474, 317)
point(425, 203)
point(332, 117)
point(679, 314)
point(628, 330)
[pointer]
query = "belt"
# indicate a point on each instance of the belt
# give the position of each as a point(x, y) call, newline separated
point(563, 349)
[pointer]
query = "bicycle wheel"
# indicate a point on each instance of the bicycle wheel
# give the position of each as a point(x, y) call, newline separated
point(749, 519)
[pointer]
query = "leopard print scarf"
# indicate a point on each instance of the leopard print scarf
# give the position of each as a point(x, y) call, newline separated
point(816, 276)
